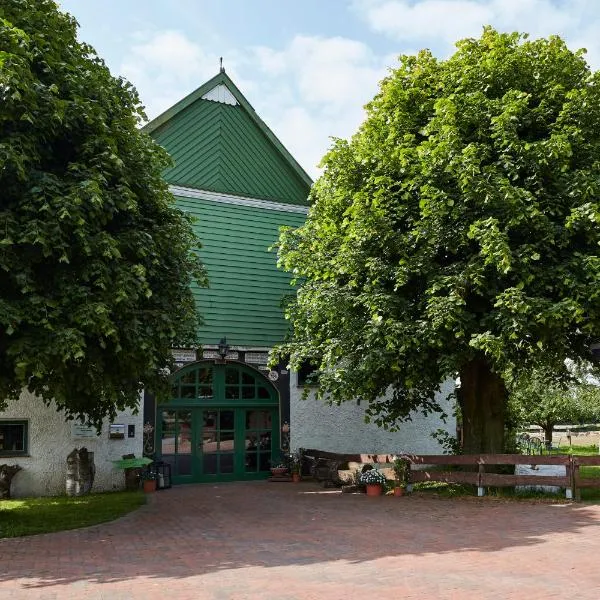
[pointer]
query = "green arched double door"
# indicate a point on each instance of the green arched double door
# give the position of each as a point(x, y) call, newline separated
point(221, 423)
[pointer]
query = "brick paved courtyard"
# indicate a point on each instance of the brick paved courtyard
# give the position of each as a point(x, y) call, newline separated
point(280, 541)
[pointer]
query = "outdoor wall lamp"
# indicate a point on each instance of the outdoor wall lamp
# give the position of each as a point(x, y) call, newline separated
point(285, 436)
point(223, 348)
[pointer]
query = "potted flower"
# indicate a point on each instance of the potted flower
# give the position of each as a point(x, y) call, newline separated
point(401, 468)
point(296, 465)
point(149, 481)
point(373, 480)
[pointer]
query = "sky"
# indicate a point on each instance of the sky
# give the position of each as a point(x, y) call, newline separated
point(306, 66)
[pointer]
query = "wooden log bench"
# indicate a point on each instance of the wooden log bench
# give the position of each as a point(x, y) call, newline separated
point(333, 469)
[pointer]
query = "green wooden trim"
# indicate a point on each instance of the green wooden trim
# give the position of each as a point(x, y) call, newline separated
point(220, 377)
point(183, 193)
point(197, 94)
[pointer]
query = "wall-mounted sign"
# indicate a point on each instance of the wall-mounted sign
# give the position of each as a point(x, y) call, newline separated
point(213, 354)
point(273, 375)
point(116, 432)
point(82, 431)
point(182, 355)
point(258, 358)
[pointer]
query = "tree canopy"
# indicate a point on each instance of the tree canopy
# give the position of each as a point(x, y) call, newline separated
point(95, 260)
point(455, 233)
point(536, 399)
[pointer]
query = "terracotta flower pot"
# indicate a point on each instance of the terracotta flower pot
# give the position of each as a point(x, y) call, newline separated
point(398, 491)
point(374, 489)
point(149, 485)
point(296, 477)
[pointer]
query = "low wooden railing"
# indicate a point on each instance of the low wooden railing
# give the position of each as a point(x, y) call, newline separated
point(571, 481)
point(479, 477)
point(587, 482)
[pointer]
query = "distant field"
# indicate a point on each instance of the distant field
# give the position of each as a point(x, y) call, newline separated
point(578, 438)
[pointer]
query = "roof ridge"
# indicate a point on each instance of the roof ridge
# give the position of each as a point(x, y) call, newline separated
point(197, 94)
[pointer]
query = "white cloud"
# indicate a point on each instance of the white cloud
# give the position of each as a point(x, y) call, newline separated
point(165, 66)
point(314, 89)
point(439, 23)
point(325, 71)
point(433, 19)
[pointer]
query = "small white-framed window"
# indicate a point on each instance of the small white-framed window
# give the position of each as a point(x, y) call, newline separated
point(14, 437)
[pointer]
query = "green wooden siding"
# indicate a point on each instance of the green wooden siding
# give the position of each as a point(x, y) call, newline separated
point(243, 301)
point(218, 147)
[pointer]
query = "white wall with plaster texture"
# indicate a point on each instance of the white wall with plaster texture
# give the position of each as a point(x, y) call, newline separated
point(315, 424)
point(51, 439)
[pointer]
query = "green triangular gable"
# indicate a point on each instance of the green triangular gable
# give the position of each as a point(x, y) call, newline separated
point(227, 148)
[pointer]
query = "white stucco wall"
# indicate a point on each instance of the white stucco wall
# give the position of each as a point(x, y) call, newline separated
point(315, 424)
point(51, 440)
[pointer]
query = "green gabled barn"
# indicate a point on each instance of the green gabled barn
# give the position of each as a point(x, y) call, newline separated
point(241, 185)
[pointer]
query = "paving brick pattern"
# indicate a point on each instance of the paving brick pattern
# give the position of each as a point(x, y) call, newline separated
point(284, 541)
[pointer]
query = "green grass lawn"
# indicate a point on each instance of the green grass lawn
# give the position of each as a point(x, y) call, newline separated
point(580, 450)
point(28, 516)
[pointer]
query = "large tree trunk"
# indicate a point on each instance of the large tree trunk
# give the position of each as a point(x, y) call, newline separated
point(548, 431)
point(482, 399)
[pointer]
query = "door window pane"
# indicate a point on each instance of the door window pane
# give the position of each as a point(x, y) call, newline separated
point(248, 392)
point(247, 379)
point(232, 376)
point(251, 462)
point(205, 376)
point(226, 420)
point(258, 419)
point(265, 441)
point(210, 418)
point(184, 464)
point(264, 461)
point(169, 431)
point(184, 419)
point(205, 392)
point(226, 462)
point(209, 444)
point(188, 391)
point(209, 431)
point(209, 464)
point(226, 441)
point(232, 392)
point(189, 377)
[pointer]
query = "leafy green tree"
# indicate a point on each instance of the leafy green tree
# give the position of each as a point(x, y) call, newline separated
point(95, 260)
point(456, 233)
point(536, 399)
